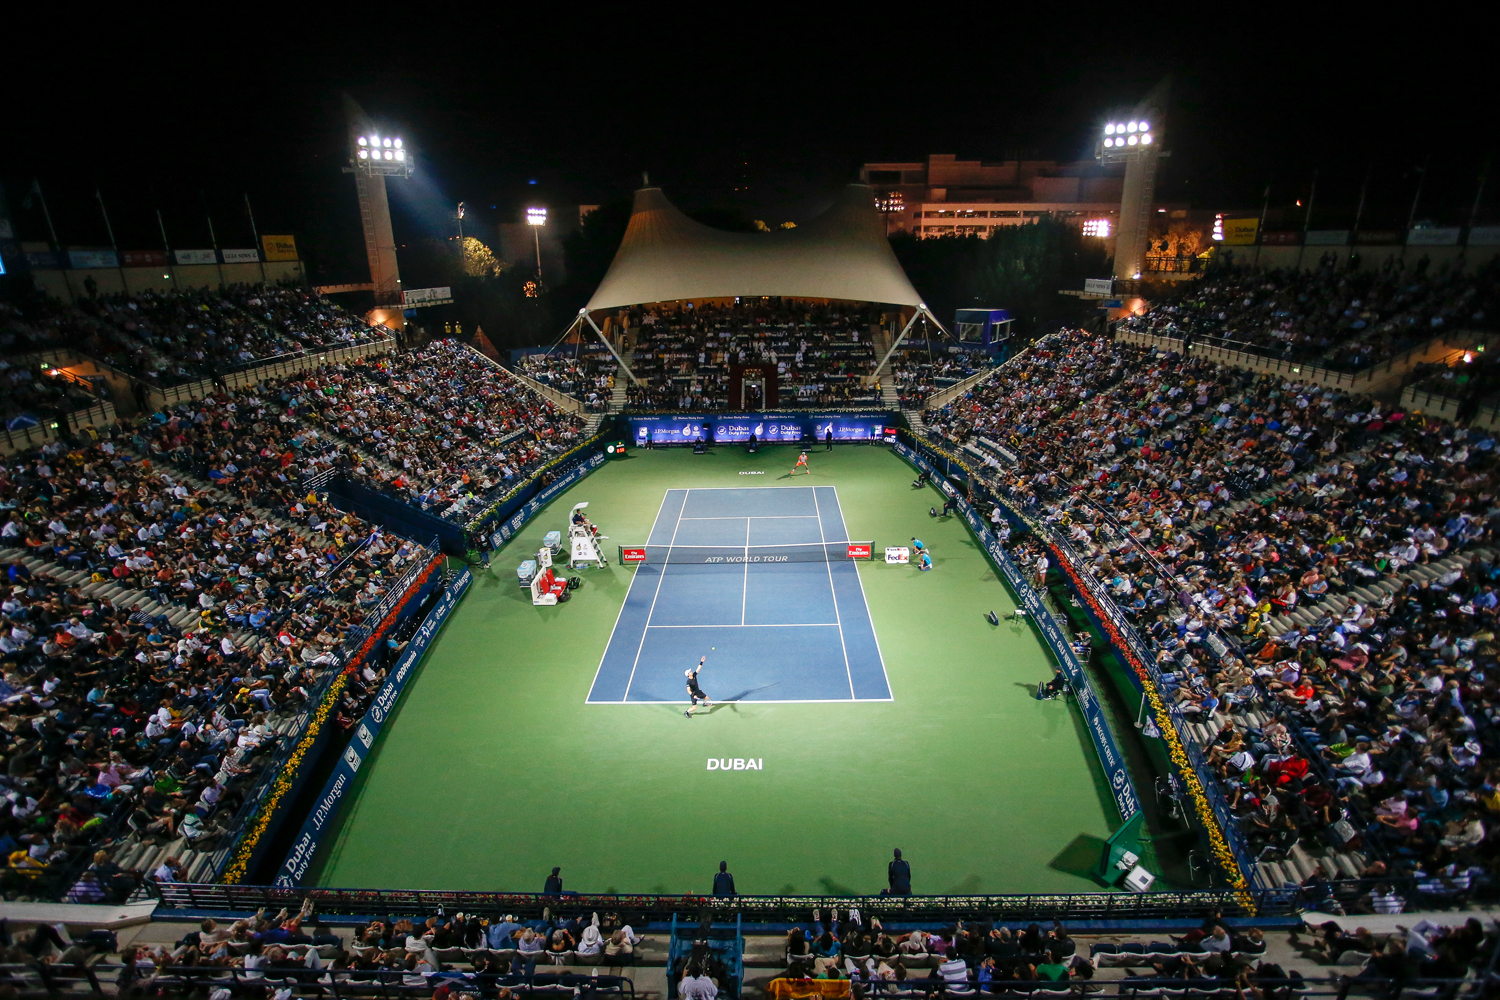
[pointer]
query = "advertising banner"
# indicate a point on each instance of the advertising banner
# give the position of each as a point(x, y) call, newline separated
point(1240, 232)
point(44, 260)
point(897, 554)
point(1099, 286)
point(859, 550)
point(770, 428)
point(1280, 238)
point(1327, 237)
point(632, 554)
point(1484, 236)
point(320, 820)
point(196, 257)
point(413, 298)
point(1377, 237)
point(92, 258)
point(1445, 237)
point(279, 247)
point(1110, 757)
point(143, 258)
point(250, 256)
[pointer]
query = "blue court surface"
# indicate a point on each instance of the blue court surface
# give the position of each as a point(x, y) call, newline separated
point(778, 624)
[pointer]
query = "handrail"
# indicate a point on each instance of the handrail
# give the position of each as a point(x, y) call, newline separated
point(945, 396)
point(571, 404)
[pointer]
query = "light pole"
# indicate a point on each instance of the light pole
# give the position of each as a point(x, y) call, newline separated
point(1133, 141)
point(536, 218)
point(463, 259)
point(373, 157)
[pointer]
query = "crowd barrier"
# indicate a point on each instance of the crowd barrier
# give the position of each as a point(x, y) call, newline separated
point(304, 849)
point(1193, 905)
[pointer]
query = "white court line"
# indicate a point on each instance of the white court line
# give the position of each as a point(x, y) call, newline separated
point(705, 489)
point(637, 661)
point(831, 592)
point(862, 596)
point(770, 625)
point(756, 701)
point(745, 587)
point(621, 612)
point(754, 517)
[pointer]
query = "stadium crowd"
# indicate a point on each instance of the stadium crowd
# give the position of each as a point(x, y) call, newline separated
point(1332, 316)
point(119, 720)
point(436, 425)
point(1211, 501)
point(188, 334)
point(588, 375)
point(820, 353)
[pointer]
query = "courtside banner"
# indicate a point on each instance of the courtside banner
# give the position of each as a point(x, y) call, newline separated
point(768, 428)
point(1110, 757)
point(320, 820)
point(860, 550)
point(632, 554)
point(527, 511)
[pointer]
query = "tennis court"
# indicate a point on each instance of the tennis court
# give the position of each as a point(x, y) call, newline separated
point(759, 580)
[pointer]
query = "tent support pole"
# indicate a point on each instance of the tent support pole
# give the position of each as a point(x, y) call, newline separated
point(897, 342)
point(584, 316)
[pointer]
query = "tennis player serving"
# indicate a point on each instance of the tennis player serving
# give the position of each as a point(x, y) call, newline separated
point(695, 693)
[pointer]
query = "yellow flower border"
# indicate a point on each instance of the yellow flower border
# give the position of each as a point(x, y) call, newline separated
point(1218, 843)
point(490, 510)
point(282, 785)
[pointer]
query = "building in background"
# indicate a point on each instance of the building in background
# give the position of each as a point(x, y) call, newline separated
point(946, 196)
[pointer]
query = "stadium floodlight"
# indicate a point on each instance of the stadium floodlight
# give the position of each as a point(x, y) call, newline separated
point(536, 218)
point(376, 155)
point(1119, 136)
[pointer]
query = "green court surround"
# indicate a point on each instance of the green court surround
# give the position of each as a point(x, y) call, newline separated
point(493, 768)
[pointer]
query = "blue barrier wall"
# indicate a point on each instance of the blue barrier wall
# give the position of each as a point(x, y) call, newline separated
point(320, 820)
point(1110, 758)
point(770, 428)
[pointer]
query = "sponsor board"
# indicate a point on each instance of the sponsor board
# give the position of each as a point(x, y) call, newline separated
point(196, 256)
point(632, 554)
point(279, 247)
point(860, 550)
point(92, 258)
point(897, 554)
point(766, 428)
point(317, 824)
point(248, 255)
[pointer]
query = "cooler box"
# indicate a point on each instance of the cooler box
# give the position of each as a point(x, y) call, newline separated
point(553, 540)
point(526, 571)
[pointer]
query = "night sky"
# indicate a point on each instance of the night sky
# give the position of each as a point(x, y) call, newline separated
point(757, 110)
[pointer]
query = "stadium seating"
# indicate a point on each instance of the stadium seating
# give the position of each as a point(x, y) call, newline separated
point(1312, 572)
point(1330, 316)
point(821, 354)
point(178, 336)
point(162, 632)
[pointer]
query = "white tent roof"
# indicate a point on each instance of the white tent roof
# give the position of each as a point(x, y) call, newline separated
point(842, 254)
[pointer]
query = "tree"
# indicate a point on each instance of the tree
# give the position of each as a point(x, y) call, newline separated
point(1018, 268)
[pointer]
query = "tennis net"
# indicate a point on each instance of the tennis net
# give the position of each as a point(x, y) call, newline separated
point(798, 552)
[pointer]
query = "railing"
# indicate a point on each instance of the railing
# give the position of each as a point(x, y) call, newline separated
point(569, 404)
point(1262, 359)
point(104, 979)
point(393, 593)
point(948, 394)
point(1194, 904)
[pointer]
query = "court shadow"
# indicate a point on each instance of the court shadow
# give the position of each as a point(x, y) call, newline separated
point(970, 886)
point(832, 888)
point(1080, 857)
point(748, 691)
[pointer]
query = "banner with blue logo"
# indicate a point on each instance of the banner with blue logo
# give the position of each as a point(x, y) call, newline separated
point(1110, 757)
point(768, 428)
point(320, 820)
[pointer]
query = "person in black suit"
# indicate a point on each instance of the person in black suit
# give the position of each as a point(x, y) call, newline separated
point(554, 883)
point(724, 882)
point(898, 873)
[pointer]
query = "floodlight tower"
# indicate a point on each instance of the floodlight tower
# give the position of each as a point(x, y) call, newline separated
point(536, 218)
point(374, 155)
point(1134, 139)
